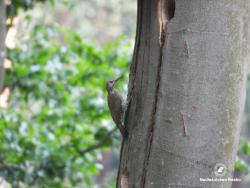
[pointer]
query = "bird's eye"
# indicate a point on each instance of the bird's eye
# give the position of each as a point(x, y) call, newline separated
point(111, 81)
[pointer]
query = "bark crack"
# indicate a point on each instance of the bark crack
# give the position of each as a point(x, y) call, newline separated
point(152, 121)
point(165, 11)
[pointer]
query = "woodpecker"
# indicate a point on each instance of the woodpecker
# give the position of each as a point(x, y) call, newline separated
point(116, 106)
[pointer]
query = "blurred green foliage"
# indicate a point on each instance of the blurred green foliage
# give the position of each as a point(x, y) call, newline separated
point(58, 107)
point(99, 21)
point(243, 159)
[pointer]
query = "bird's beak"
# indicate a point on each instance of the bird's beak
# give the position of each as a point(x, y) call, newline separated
point(117, 79)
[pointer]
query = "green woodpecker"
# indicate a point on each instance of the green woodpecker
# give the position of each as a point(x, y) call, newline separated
point(116, 105)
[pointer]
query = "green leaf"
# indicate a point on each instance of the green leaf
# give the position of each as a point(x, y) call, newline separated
point(241, 165)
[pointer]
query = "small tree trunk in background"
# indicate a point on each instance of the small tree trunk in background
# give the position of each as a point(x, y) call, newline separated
point(186, 95)
point(2, 40)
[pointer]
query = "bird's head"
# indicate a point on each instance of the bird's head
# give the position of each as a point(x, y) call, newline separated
point(111, 83)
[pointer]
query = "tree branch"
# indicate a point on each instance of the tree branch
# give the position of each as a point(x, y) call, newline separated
point(11, 167)
point(99, 144)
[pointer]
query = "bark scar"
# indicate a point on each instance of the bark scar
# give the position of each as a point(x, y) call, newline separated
point(184, 125)
point(124, 179)
point(165, 12)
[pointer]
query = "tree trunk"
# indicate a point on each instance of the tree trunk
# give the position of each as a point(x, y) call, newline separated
point(2, 40)
point(186, 93)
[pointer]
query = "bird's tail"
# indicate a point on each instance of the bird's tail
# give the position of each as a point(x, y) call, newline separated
point(123, 130)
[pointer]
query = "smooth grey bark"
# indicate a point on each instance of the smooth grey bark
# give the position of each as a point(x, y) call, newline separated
point(185, 100)
point(2, 40)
